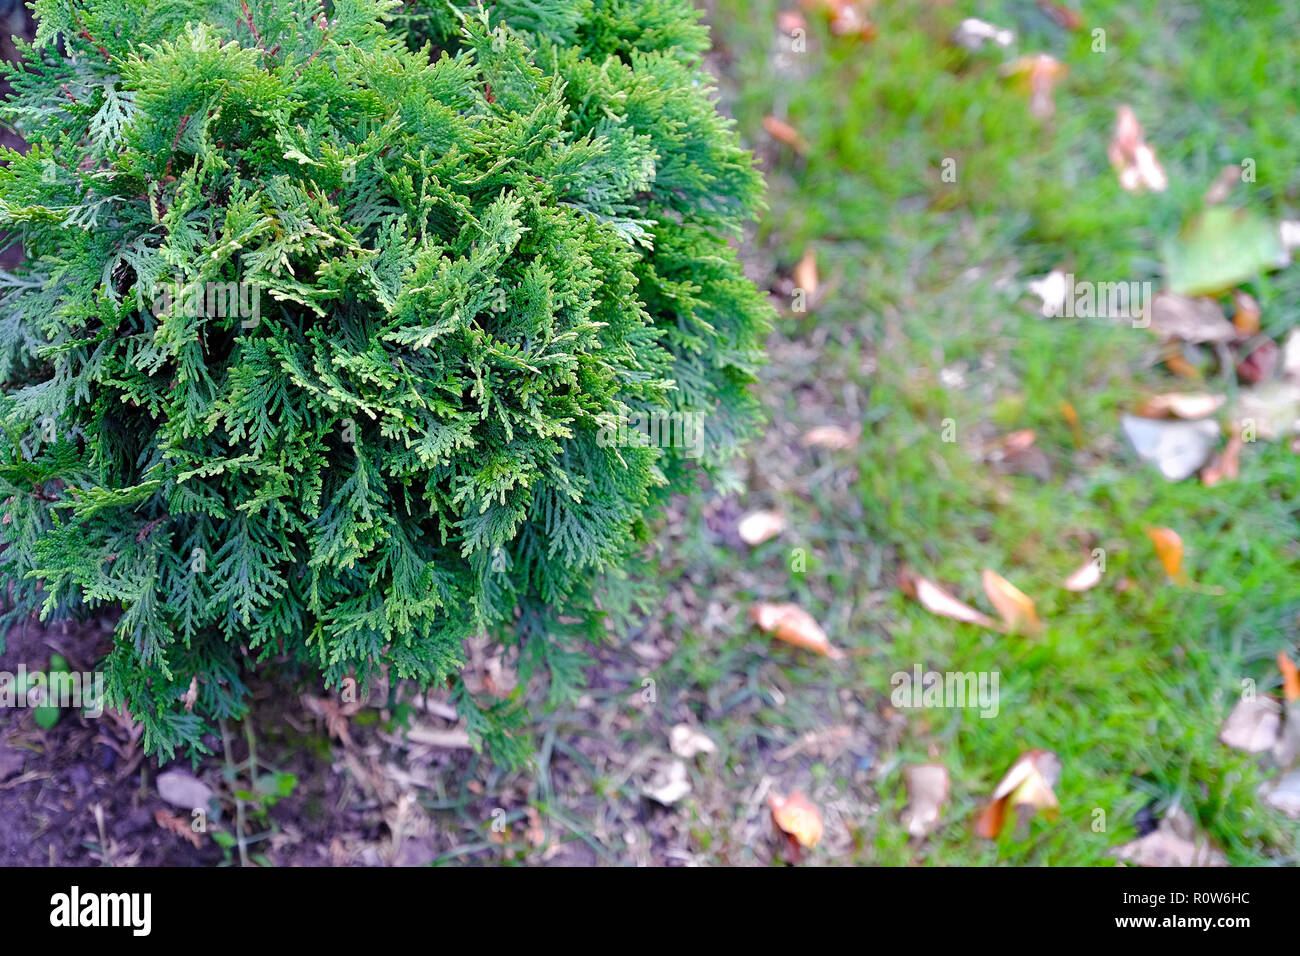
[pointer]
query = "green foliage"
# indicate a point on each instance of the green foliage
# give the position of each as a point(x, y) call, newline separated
point(329, 319)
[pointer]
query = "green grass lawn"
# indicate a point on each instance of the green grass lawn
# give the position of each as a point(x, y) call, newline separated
point(926, 319)
point(925, 331)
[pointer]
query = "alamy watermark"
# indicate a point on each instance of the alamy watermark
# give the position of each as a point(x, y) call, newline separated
point(657, 429)
point(216, 300)
point(948, 689)
point(1064, 296)
point(31, 689)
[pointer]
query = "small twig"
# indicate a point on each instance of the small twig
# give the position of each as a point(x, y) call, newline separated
point(239, 802)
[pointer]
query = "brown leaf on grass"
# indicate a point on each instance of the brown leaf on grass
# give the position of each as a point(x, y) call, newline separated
point(851, 21)
point(830, 436)
point(1226, 464)
point(793, 625)
point(1028, 784)
point(797, 817)
point(1259, 364)
point(927, 789)
point(783, 132)
point(759, 526)
point(1017, 453)
point(1172, 843)
point(1039, 73)
point(1177, 448)
point(1071, 417)
point(788, 21)
point(687, 741)
point(805, 273)
point(1246, 313)
point(1199, 321)
point(334, 716)
point(938, 601)
point(846, 17)
point(1290, 676)
point(1134, 160)
point(1223, 185)
point(1014, 606)
point(177, 825)
point(1063, 16)
point(1169, 549)
point(1253, 725)
point(1084, 579)
point(1189, 405)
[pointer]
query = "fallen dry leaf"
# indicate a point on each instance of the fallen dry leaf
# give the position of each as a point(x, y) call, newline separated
point(1014, 606)
point(1253, 725)
point(334, 716)
point(927, 789)
point(671, 782)
point(1188, 405)
point(1061, 15)
point(1178, 449)
point(182, 789)
point(1226, 465)
point(1133, 158)
point(1051, 290)
point(1246, 313)
point(1084, 579)
point(1198, 320)
point(783, 132)
point(798, 817)
point(1040, 73)
point(793, 625)
point(1259, 364)
point(1169, 549)
point(973, 34)
point(1172, 843)
point(1223, 185)
point(759, 526)
point(1273, 407)
point(1017, 453)
point(686, 741)
point(1028, 784)
point(177, 825)
point(805, 273)
point(938, 601)
point(830, 436)
point(789, 21)
point(1071, 417)
point(1290, 676)
point(1285, 795)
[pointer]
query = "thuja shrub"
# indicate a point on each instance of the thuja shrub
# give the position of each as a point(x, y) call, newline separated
point(349, 331)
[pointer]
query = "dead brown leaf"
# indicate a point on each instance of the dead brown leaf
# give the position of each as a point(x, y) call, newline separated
point(938, 601)
point(783, 132)
point(830, 436)
point(1172, 843)
point(1226, 465)
point(1290, 676)
point(1039, 73)
point(793, 625)
point(177, 825)
point(798, 817)
point(1029, 785)
point(1086, 578)
point(759, 526)
point(1169, 549)
point(1135, 160)
point(927, 788)
point(1014, 606)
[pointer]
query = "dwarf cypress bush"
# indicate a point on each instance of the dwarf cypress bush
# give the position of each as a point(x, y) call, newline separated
point(350, 330)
